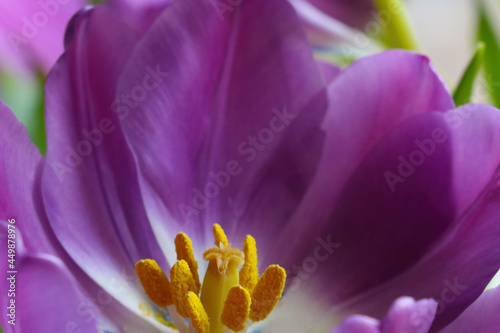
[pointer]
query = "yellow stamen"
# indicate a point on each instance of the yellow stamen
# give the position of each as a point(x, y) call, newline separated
point(229, 296)
point(249, 274)
point(197, 314)
point(219, 235)
point(182, 282)
point(236, 309)
point(184, 249)
point(267, 292)
point(154, 281)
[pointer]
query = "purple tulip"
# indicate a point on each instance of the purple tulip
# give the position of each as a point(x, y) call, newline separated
point(366, 184)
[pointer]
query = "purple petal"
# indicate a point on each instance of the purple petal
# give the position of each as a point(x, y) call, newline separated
point(367, 101)
point(405, 315)
point(480, 316)
point(229, 77)
point(89, 182)
point(445, 215)
point(20, 196)
point(409, 316)
point(40, 305)
point(329, 71)
point(41, 291)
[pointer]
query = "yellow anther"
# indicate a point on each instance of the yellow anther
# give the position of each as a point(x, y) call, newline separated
point(154, 281)
point(224, 257)
point(236, 309)
point(249, 274)
point(219, 235)
point(267, 292)
point(196, 313)
point(182, 282)
point(184, 249)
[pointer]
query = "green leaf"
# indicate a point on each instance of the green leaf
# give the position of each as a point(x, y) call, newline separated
point(398, 30)
point(25, 97)
point(491, 54)
point(463, 91)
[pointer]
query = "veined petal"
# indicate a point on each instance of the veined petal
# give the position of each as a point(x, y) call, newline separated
point(90, 184)
point(20, 196)
point(222, 78)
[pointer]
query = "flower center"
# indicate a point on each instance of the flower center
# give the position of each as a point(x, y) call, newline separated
point(229, 296)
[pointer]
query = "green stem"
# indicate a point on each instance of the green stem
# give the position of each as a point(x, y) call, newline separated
point(463, 92)
point(399, 31)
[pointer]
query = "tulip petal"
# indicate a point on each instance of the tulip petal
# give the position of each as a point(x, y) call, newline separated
point(224, 78)
point(437, 234)
point(405, 315)
point(480, 316)
point(59, 310)
point(90, 183)
point(39, 289)
point(329, 71)
point(408, 315)
point(367, 100)
point(20, 196)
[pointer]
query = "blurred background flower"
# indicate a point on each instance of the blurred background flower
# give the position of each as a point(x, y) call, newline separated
point(32, 39)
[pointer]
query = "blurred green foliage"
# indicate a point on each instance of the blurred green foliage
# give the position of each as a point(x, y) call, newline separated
point(487, 35)
point(463, 92)
point(399, 31)
point(25, 97)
